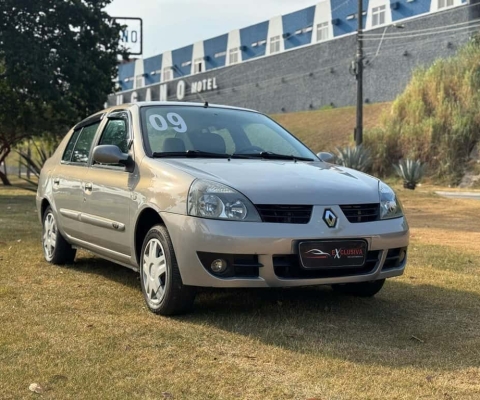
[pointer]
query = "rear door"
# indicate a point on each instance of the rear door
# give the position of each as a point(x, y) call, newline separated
point(68, 181)
point(109, 193)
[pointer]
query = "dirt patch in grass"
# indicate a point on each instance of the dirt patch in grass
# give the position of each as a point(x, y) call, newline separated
point(83, 331)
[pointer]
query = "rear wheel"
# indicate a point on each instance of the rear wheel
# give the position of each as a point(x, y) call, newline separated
point(361, 289)
point(55, 248)
point(160, 278)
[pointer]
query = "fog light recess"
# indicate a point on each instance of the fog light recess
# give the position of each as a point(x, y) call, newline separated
point(218, 266)
point(401, 256)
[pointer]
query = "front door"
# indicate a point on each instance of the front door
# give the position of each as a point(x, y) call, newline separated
point(109, 195)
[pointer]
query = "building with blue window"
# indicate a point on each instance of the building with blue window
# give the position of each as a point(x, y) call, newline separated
point(303, 60)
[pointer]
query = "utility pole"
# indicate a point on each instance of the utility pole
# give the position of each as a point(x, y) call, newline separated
point(359, 75)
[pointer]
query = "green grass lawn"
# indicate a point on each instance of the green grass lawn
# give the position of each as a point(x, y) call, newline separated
point(83, 332)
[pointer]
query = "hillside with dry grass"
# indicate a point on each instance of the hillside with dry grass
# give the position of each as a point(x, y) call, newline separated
point(323, 130)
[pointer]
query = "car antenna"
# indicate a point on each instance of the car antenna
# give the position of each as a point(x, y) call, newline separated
point(206, 104)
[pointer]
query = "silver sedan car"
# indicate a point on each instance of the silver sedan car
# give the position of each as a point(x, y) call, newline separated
point(193, 195)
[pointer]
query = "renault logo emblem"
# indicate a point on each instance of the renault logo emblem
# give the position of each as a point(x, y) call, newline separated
point(330, 218)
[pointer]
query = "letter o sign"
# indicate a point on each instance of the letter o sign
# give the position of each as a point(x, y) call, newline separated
point(181, 90)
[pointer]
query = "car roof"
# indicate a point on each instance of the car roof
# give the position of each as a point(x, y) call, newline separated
point(187, 104)
point(100, 114)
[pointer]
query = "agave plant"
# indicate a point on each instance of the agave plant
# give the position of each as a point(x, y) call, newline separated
point(410, 171)
point(354, 157)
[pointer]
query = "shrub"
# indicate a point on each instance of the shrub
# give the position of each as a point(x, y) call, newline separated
point(410, 171)
point(354, 157)
point(436, 118)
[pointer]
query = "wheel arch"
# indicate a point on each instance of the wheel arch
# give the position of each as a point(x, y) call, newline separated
point(44, 205)
point(147, 218)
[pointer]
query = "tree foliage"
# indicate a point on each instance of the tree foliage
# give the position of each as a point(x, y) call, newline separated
point(57, 63)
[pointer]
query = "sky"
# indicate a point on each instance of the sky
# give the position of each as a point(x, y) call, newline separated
point(171, 24)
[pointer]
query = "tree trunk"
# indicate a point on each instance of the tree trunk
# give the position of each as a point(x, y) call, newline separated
point(4, 179)
point(4, 152)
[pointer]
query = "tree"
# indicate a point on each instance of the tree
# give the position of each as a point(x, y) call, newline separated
point(58, 59)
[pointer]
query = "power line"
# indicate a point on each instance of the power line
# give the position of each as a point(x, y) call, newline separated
point(341, 5)
point(418, 43)
point(404, 37)
point(420, 30)
point(435, 14)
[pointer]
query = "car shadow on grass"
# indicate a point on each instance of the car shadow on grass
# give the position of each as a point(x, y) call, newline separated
point(406, 324)
point(109, 270)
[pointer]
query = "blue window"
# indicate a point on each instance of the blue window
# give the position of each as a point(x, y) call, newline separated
point(295, 27)
point(182, 61)
point(126, 74)
point(215, 52)
point(253, 40)
point(152, 67)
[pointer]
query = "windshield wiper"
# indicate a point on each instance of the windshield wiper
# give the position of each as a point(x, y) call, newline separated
point(206, 154)
point(190, 154)
point(274, 156)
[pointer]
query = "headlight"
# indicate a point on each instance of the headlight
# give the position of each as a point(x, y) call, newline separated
point(390, 206)
point(208, 199)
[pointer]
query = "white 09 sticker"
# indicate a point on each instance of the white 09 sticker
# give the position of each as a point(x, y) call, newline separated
point(176, 122)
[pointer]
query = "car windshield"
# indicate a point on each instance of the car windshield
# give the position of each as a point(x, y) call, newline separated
point(192, 131)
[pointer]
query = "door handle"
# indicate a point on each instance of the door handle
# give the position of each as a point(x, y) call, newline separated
point(56, 181)
point(88, 187)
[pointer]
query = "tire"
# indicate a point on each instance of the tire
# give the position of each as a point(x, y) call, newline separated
point(56, 249)
point(361, 289)
point(162, 285)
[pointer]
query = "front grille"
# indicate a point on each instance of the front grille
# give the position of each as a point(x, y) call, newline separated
point(288, 267)
point(285, 214)
point(356, 213)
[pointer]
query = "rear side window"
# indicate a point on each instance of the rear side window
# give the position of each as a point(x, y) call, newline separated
point(67, 155)
point(81, 151)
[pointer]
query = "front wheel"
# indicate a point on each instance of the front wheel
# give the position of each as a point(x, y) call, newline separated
point(55, 248)
point(160, 278)
point(361, 289)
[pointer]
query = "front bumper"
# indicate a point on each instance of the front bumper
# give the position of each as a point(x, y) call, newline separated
point(191, 235)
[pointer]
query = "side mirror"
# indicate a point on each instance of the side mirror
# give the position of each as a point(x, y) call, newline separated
point(109, 154)
point(326, 157)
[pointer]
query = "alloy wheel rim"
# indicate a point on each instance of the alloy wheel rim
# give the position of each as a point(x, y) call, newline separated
point(154, 271)
point(49, 236)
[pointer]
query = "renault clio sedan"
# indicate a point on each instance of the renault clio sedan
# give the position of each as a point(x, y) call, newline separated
point(198, 195)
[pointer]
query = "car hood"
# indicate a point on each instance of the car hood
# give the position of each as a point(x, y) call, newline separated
point(285, 182)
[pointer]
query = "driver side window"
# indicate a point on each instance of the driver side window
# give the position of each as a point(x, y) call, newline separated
point(116, 133)
point(265, 138)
